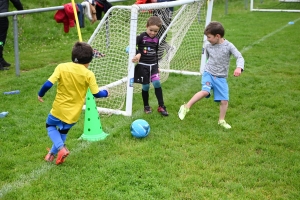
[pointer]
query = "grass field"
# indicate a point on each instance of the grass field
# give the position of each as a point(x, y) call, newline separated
point(259, 158)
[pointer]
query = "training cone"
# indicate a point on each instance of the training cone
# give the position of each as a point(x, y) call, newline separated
point(92, 125)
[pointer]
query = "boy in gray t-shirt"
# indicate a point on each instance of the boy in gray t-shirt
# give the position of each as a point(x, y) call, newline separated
point(216, 71)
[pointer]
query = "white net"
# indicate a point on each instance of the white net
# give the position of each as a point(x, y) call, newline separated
point(180, 50)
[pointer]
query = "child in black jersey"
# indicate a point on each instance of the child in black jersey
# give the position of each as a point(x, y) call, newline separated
point(147, 68)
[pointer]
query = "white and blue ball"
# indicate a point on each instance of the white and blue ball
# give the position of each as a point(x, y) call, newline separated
point(140, 128)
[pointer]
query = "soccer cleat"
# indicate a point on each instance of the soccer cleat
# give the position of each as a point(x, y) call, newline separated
point(61, 156)
point(49, 157)
point(2, 67)
point(182, 111)
point(147, 109)
point(224, 124)
point(163, 110)
point(5, 64)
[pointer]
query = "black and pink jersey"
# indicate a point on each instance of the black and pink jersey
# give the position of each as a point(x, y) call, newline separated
point(147, 47)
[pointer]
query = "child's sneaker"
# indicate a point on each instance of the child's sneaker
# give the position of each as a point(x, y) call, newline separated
point(49, 157)
point(182, 111)
point(4, 63)
point(224, 124)
point(2, 67)
point(163, 110)
point(147, 109)
point(61, 156)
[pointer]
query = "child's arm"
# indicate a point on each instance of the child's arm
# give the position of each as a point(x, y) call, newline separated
point(98, 93)
point(136, 58)
point(47, 85)
point(101, 94)
point(239, 61)
point(138, 55)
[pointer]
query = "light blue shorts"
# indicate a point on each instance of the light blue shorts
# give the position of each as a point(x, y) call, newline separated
point(51, 120)
point(217, 84)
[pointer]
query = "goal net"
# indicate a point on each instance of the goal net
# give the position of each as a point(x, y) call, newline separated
point(180, 49)
point(275, 5)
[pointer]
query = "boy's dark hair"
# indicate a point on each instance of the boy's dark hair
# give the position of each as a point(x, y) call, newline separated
point(154, 21)
point(214, 28)
point(82, 53)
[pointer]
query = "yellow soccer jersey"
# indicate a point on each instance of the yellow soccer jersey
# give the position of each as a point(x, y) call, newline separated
point(73, 80)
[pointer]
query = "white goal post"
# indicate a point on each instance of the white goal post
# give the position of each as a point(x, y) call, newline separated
point(275, 5)
point(181, 47)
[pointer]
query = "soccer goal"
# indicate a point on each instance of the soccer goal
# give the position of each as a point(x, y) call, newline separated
point(275, 5)
point(181, 46)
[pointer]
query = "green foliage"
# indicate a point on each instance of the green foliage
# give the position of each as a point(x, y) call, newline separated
point(259, 158)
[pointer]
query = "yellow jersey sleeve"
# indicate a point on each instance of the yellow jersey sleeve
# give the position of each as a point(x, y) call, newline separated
point(93, 84)
point(55, 76)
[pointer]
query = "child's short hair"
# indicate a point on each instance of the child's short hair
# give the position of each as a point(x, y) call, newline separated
point(82, 53)
point(154, 21)
point(214, 28)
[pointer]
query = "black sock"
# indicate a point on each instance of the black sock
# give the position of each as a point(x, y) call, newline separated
point(145, 95)
point(1, 53)
point(159, 96)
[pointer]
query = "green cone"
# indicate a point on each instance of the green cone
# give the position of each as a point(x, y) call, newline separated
point(92, 125)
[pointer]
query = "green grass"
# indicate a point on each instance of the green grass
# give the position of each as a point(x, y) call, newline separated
point(259, 158)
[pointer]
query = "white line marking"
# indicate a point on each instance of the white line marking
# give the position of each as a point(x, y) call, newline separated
point(35, 174)
point(267, 36)
point(24, 180)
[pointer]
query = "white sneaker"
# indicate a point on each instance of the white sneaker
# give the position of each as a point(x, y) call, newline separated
point(182, 111)
point(224, 124)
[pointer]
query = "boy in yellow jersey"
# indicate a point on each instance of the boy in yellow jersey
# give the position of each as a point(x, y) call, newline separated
point(73, 79)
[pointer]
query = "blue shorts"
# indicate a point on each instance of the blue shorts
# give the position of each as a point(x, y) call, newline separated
point(51, 120)
point(217, 84)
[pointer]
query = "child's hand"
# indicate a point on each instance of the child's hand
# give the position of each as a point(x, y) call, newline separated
point(136, 58)
point(40, 99)
point(97, 54)
point(237, 71)
point(104, 89)
point(107, 92)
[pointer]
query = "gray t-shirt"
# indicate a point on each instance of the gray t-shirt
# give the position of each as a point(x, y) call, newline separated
point(218, 56)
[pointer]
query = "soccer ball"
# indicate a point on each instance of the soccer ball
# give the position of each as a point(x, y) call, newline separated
point(140, 128)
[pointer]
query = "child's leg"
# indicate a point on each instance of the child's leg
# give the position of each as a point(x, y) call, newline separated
point(198, 96)
point(205, 92)
point(158, 92)
point(223, 109)
point(54, 135)
point(63, 136)
point(145, 94)
point(206, 82)
point(58, 137)
point(155, 79)
point(159, 95)
point(221, 94)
